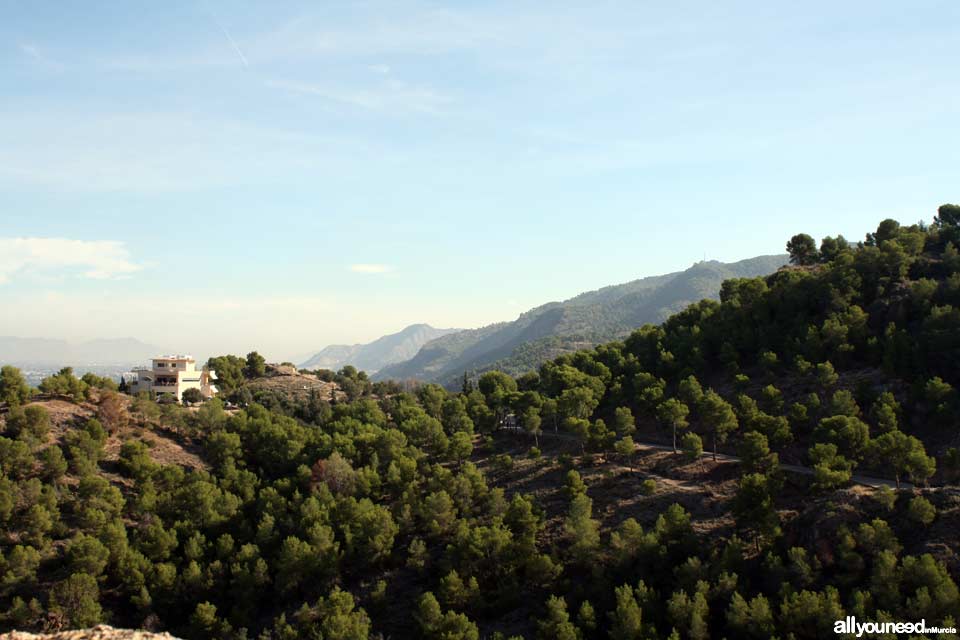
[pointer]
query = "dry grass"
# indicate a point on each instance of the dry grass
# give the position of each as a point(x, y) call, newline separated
point(297, 386)
point(65, 416)
point(702, 489)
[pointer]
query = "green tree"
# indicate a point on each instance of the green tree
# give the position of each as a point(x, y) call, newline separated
point(626, 448)
point(256, 365)
point(842, 403)
point(830, 469)
point(439, 512)
point(626, 620)
point(54, 464)
point(230, 372)
point(940, 397)
point(826, 375)
point(204, 620)
point(948, 215)
point(192, 396)
point(76, 601)
point(334, 617)
point(719, 417)
point(64, 383)
point(851, 435)
point(580, 527)
point(754, 510)
point(755, 454)
point(443, 626)
point(432, 397)
point(30, 424)
point(673, 414)
point(690, 391)
point(692, 446)
point(580, 427)
point(623, 421)
point(557, 625)
point(831, 248)
point(587, 619)
point(902, 454)
point(14, 389)
point(690, 613)
point(808, 614)
point(803, 250)
point(99, 382)
point(753, 619)
point(461, 446)
point(885, 412)
point(532, 424)
point(498, 390)
point(921, 511)
point(87, 555)
point(574, 485)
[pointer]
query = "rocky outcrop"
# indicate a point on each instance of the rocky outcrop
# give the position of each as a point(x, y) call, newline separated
point(100, 632)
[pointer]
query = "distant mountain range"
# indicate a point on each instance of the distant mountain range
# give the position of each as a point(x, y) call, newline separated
point(581, 322)
point(53, 352)
point(378, 354)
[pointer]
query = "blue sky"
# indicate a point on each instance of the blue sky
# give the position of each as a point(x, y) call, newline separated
point(212, 177)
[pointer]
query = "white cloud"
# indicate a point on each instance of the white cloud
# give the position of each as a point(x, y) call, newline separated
point(99, 259)
point(371, 268)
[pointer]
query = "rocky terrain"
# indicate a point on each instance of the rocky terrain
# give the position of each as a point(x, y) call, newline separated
point(99, 632)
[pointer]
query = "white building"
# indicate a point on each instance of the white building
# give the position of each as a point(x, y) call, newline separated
point(172, 375)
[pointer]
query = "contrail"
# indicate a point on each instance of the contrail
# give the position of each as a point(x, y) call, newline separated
point(227, 35)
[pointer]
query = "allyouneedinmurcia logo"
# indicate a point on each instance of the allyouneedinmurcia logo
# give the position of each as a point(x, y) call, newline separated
point(849, 625)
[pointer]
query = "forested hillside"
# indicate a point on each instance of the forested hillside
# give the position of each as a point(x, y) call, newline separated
point(528, 507)
point(583, 321)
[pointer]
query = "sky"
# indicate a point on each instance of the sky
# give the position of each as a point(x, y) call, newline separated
point(218, 177)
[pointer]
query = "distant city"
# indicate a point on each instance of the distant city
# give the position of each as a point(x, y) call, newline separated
point(35, 372)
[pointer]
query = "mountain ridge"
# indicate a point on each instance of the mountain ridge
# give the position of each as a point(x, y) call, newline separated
point(373, 356)
point(584, 320)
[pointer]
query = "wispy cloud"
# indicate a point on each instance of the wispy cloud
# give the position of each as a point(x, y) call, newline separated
point(226, 34)
point(32, 52)
point(99, 259)
point(38, 56)
point(162, 152)
point(392, 95)
point(371, 268)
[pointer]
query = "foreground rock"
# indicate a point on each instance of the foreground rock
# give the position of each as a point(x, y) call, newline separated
point(99, 632)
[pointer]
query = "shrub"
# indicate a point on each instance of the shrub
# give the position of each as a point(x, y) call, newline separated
point(886, 497)
point(503, 462)
point(921, 511)
point(648, 486)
